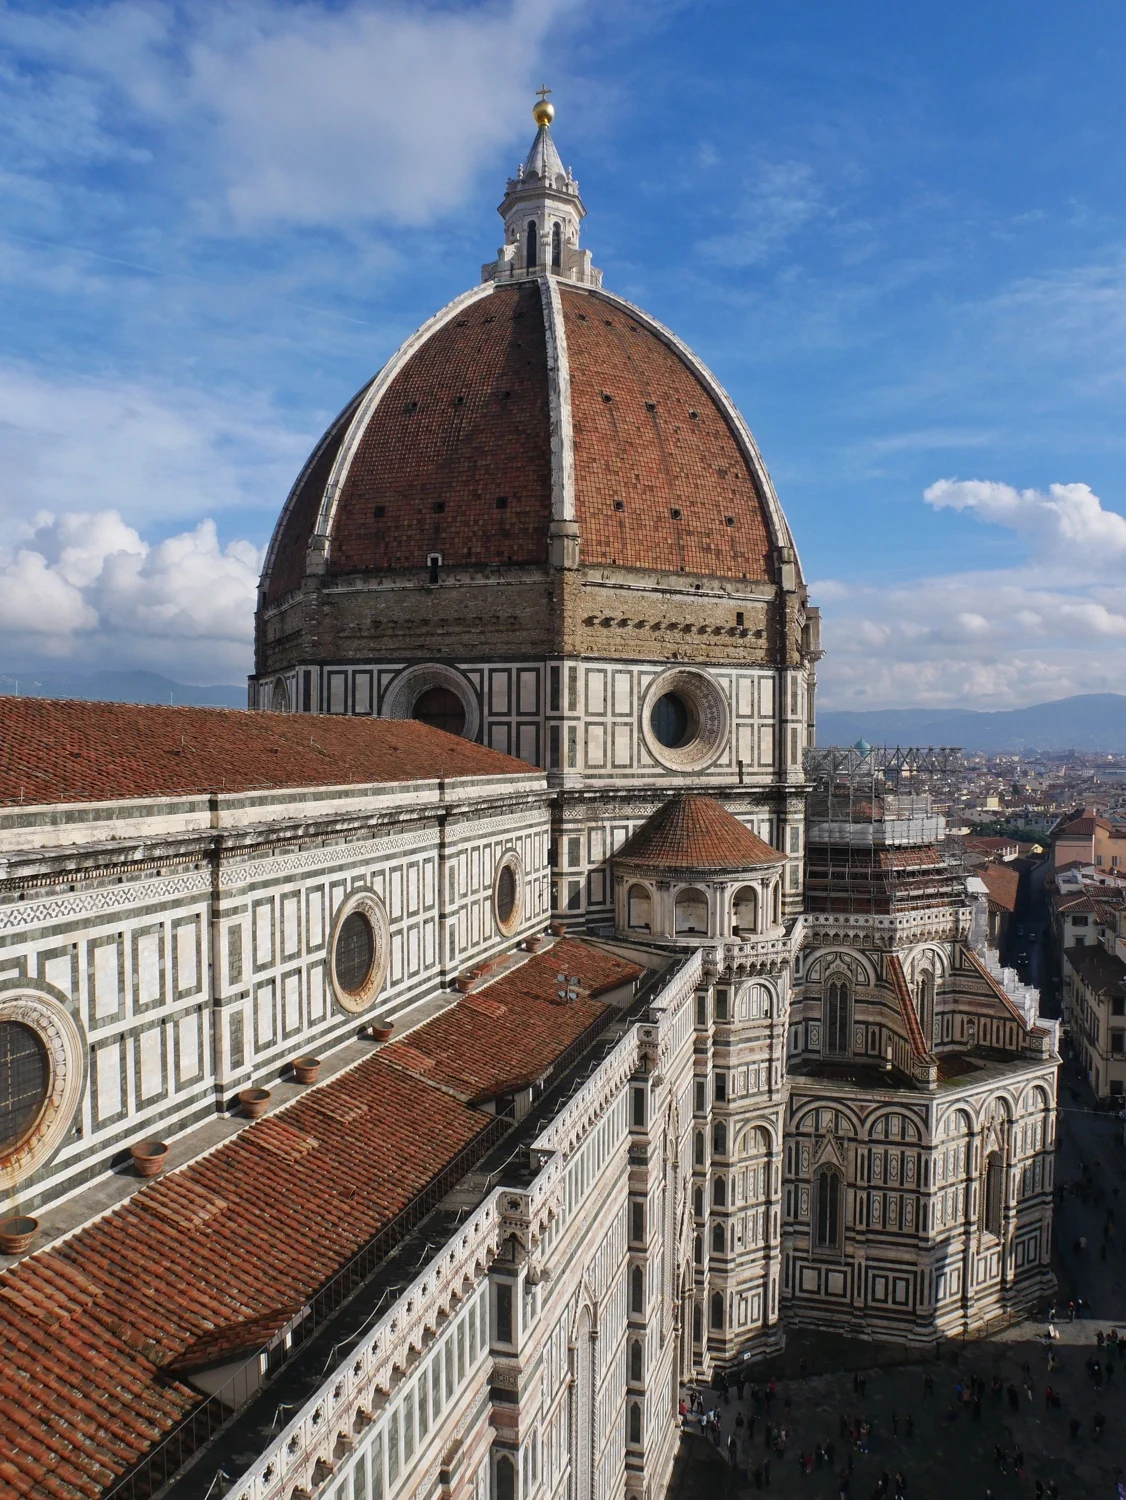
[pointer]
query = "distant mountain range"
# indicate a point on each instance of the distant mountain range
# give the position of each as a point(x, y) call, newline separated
point(121, 687)
point(1089, 721)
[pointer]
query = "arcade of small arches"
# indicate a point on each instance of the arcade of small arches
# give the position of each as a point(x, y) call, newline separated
point(743, 909)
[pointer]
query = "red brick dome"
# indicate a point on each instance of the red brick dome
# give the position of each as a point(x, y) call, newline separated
point(518, 406)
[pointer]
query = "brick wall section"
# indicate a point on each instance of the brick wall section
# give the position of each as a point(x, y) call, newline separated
point(654, 460)
point(297, 524)
point(52, 750)
point(465, 422)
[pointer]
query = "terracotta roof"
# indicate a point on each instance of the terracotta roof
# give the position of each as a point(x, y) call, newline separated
point(1099, 970)
point(455, 457)
point(1002, 883)
point(909, 1015)
point(659, 444)
point(691, 832)
point(52, 750)
point(464, 423)
point(215, 1257)
point(1084, 827)
point(507, 1035)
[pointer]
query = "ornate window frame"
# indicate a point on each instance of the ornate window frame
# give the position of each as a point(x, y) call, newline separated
point(65, 1046)
point(406, 689)
point(708, 704)
point(369, 906)
point(509, 860)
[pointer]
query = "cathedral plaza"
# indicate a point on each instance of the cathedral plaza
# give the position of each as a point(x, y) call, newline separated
point(417, 1082)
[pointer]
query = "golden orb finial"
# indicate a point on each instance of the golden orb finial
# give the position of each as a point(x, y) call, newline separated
point(543, 113)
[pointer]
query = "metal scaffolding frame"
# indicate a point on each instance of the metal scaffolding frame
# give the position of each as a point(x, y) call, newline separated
point(860, 788)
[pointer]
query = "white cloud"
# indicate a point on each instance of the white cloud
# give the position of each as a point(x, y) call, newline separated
point(84, 444)
point(1051, 625)
point(305, 114)
point(86, 587)
point(1066, 516)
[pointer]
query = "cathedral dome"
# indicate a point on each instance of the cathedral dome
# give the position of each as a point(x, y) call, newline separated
point(536, 405)
point(455, 449)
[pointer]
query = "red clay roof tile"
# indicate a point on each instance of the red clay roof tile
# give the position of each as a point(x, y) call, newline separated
point(95, 1327)
point(691, 832)
point(52, 751)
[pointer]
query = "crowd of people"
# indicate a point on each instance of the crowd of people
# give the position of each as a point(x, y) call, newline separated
point(761, 1437)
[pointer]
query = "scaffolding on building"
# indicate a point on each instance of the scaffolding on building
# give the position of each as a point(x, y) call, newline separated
point(878, 834)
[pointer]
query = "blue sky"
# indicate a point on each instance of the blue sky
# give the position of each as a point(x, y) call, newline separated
point(896, 232)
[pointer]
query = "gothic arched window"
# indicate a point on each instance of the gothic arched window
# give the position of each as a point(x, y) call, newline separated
point(717, 1239)
point(637, 1290)
point(717, 1309)
point(556, 247)
point(531, 258)
point(697, 1324)
point(719, 1192)
point(698, 1150)
point(635, 1360)
point(719, 1138)
point(994, 1192)
point(827, 1209)
point(837, 1016)
point(698, 1202)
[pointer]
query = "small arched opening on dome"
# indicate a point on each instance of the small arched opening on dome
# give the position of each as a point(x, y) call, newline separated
point(692, 912)
point(639, 908)
point(556, 247)
point(530, 246)
point(745, 911)
point(441, 708)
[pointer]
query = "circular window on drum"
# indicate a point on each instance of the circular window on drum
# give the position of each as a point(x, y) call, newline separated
point(508, 893)
point(360, 951)
point(684, 719)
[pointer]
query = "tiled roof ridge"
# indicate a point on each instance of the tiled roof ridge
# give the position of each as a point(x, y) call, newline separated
point(902, 993)
point(694, 831)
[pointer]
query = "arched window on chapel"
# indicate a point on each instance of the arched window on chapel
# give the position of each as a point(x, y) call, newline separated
point(838, 1019)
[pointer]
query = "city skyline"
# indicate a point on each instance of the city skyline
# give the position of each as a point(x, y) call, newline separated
point(895, 241)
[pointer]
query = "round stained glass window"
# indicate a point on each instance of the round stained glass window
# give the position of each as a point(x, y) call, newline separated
point(355, 952)
point(25, 1076)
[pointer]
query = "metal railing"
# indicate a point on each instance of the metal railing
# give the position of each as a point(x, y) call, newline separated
point(160, 1464)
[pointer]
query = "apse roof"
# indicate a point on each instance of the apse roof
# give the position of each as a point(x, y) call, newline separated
point(692, 832)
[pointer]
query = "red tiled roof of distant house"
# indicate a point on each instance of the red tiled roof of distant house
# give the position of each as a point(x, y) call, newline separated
point(1085, 827)
point(1002, 882)
point(55, 751)
point(98, 1328)
point(507, 1035)
point(696, 833)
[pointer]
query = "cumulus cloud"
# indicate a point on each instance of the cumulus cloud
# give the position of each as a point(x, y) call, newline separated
point(307, 114)
point(84, 586)
point(1065, 516)
point(1052, 625)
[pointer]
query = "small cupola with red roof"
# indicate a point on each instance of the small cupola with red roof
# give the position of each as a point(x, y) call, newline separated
point(695, 874)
